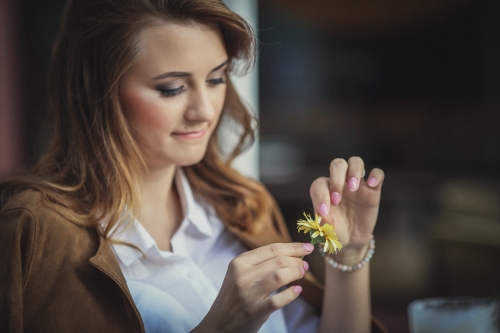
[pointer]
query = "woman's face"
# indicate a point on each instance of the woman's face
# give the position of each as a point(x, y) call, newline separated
point(173, 93)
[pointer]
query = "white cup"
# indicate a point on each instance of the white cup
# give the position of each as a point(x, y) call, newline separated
point(454, 315)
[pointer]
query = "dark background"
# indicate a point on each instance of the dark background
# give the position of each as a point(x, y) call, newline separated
point(412, 87)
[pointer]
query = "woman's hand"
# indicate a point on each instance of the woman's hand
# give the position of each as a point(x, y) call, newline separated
point(245, 302)
point(350, 203)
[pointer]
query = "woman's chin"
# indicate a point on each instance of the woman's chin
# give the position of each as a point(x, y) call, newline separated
point(189, 161)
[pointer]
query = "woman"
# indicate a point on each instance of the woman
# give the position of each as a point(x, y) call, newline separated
point(132, 222)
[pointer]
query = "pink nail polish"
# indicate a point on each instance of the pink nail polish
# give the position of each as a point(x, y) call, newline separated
point(372, 181)
point(306, 265)
point(297, 289)
point(352, 185)
point(335, 198)
point(308, 247)
point(323, 209)
point(302, 270)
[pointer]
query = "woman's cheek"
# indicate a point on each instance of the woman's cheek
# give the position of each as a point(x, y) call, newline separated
point(147, 112)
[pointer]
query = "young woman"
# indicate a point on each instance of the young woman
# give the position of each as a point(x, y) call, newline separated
point(132, 222)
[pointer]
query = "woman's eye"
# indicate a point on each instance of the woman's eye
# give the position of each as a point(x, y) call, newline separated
point(169, 92)
point(217, 81)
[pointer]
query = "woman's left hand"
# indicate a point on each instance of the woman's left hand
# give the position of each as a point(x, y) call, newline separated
point(350, 203)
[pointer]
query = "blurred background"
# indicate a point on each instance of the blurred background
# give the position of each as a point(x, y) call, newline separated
point(413, 87)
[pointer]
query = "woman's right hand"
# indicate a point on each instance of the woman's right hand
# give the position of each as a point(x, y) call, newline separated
point(244, 302)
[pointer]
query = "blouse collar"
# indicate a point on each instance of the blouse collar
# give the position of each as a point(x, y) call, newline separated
point(195, 215)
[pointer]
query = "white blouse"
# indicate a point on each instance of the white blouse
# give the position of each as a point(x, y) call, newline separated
point(174, 290)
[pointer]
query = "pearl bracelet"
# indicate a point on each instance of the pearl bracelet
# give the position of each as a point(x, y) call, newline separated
point(347, 268)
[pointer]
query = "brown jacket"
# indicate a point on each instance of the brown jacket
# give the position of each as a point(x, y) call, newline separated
point(58, 276)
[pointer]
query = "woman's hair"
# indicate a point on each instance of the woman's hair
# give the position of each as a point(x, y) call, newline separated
point(92, 165)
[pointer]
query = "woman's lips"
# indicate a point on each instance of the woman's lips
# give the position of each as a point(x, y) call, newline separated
point(190, 135)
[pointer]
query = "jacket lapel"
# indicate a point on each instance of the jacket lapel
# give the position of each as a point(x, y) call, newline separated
point(105, 261)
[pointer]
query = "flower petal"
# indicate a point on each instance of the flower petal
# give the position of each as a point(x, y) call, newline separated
point(326, 246)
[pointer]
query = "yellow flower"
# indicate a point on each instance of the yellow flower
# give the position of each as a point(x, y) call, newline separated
point(309, 224)
point(323, 234)
point(332, 243)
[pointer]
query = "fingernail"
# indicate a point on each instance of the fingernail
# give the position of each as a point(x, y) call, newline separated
point(335, 198)
point(308, 247)
point(306, 265)
point(297, 289)
point(352, 185)
point(302, 270)
point(372, 181)
point(323, 210)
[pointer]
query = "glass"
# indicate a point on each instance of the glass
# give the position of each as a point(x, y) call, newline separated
point(454, 315)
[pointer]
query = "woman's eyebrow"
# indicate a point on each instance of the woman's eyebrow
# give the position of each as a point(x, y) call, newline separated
point(171, 74)
point(183, 74)
point(220, 66)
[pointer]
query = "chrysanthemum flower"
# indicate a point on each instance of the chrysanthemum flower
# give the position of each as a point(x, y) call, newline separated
point(323, 234)
point(309, 224)
point(332, 243)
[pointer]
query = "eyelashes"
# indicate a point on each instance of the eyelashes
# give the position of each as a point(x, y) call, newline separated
point(167, 91)
point(217, 81)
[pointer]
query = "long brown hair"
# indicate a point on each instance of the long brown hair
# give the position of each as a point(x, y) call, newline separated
point(91, 167)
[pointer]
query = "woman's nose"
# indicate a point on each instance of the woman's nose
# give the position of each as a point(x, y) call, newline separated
point(201, 105)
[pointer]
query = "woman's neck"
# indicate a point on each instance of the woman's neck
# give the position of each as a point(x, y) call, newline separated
point(160, 207)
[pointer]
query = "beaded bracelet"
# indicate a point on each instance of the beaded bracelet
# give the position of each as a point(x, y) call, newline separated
point(347, 268)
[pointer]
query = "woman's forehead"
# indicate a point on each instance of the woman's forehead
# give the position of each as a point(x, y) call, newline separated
point(183, 46)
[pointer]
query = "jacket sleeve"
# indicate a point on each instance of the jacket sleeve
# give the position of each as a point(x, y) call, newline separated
point(17, 235)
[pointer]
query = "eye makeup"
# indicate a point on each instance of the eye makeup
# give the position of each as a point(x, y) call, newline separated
point(168, 91)
point(214, 82)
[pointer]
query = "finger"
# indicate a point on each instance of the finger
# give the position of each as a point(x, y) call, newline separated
point(275, 280)
point(338, 171)
point(267, 252)
point(356, 167)
point(320, 196)
point(279, 300)
point(375, 179)
point(276, 263)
